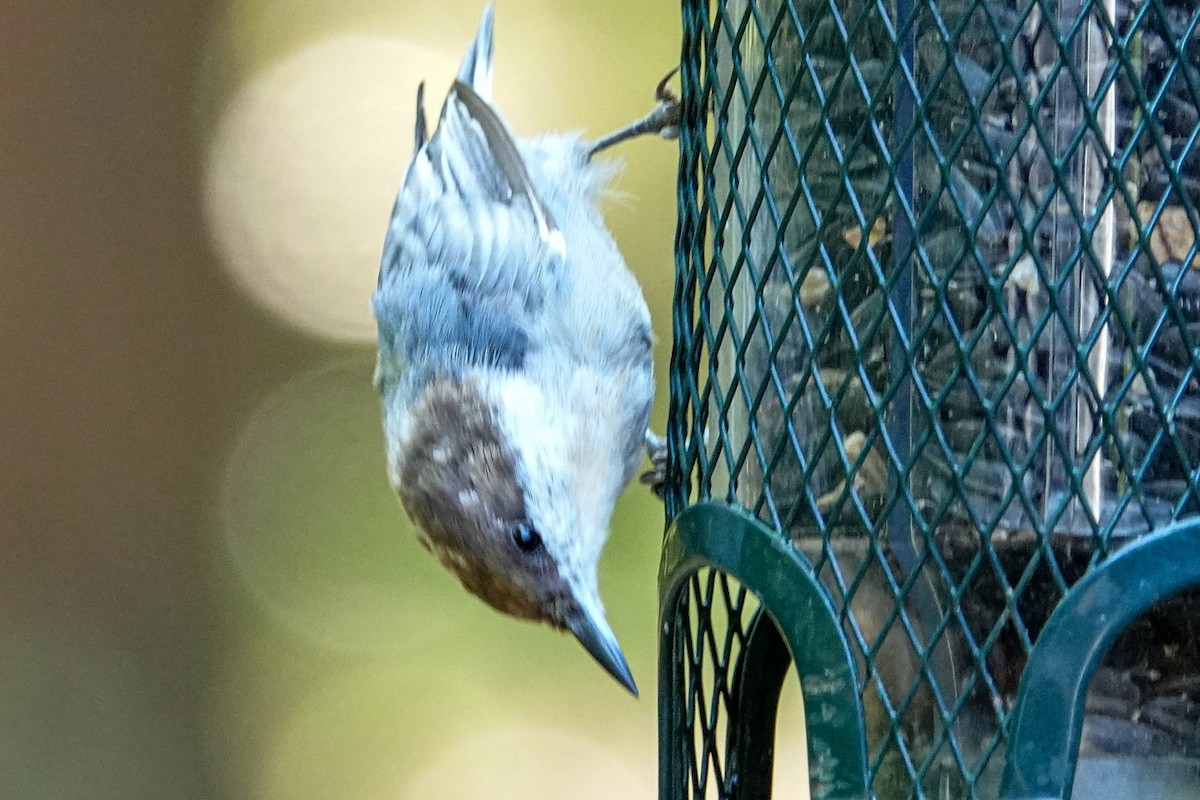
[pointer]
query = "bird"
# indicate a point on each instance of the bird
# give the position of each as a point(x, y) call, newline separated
point(514, 356)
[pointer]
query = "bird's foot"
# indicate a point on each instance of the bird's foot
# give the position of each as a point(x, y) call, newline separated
point(656, 476)
point(662, 121)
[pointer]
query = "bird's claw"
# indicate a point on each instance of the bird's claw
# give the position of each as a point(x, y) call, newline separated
point(656, 451)
point(669, 108)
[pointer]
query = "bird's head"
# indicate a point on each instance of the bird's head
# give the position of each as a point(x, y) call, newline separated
point(491, 485)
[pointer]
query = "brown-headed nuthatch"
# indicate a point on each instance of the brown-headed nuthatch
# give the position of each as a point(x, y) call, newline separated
point(514, 358)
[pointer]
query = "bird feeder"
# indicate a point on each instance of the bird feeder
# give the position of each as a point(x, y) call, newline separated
point(935, 421)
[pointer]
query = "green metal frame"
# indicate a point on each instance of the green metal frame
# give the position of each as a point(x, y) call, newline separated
point(800, 625)
point(728, 539)
point(1047, 720)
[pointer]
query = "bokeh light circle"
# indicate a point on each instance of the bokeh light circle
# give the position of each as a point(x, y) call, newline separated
point(302, 171)
point(312, 528)
point(357, 734)
point(554, 762)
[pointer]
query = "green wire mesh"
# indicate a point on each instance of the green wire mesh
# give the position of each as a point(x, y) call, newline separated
point(720, 611)
point(937, 314)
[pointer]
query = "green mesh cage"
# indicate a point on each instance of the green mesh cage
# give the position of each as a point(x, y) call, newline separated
point(935, 423)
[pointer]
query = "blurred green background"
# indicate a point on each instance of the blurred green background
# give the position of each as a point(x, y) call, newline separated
point(207, 589)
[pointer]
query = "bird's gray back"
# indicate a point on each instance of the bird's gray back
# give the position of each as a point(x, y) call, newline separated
point(467, 270)
point(479, 273)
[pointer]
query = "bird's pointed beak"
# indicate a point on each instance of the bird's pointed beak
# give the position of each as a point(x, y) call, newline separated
point(593, 632)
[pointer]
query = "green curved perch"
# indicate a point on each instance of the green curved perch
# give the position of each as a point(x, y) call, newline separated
point(728, 539)
point(1048, 717)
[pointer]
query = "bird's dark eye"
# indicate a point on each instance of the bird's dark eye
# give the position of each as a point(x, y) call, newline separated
point(526, 538)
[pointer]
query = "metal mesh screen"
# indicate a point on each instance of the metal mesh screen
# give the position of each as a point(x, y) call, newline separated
point(937, 314)
point(720, 611)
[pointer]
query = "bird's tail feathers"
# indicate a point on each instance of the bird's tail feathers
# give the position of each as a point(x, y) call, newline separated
point(421, 129)
point(476, 69)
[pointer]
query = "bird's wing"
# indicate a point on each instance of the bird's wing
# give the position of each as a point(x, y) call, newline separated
point(472, 254)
